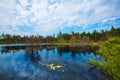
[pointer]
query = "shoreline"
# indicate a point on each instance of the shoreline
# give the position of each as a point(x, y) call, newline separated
point(52, 44)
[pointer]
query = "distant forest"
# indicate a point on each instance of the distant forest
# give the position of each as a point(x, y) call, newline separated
point(84, 37)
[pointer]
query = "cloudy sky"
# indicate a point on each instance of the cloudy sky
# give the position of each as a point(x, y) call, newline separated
point(46, 17)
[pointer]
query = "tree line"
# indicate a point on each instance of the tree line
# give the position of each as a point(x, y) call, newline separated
point(73, 37)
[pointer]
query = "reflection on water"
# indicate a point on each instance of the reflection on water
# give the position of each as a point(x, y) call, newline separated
point(32, 55)
point(48, 63)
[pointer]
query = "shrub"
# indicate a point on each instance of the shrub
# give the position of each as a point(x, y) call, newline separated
point(110, 51)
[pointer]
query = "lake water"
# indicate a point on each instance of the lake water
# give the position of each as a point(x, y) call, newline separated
point(21, 62)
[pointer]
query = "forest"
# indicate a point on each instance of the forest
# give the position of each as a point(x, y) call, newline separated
point(73, 37)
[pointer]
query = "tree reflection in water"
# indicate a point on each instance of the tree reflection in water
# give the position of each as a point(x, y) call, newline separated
point(32, 54)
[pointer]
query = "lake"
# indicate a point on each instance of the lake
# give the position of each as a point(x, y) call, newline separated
point(45, 62)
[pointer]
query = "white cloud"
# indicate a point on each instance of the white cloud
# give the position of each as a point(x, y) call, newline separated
point(48, 16)
point(112, 18)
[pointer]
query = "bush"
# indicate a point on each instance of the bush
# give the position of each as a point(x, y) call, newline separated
point(110, 51)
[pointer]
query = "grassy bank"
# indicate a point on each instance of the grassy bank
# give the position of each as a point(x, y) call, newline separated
point(110, 51)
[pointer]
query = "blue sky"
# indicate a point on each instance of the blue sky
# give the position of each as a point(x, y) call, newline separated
point(46, 17)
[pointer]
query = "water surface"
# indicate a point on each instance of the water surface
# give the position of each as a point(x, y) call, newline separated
point(25, 62)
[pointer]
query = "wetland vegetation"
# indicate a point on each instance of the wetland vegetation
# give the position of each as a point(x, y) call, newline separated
point(110, 52)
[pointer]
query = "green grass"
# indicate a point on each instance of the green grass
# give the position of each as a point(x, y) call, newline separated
point(110, 51)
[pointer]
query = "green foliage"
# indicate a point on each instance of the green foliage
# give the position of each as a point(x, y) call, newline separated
point(110, 51)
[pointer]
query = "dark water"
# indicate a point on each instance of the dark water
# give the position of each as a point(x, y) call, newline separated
point(48, 63)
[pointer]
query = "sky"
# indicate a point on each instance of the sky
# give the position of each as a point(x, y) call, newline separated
point(46, 17)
